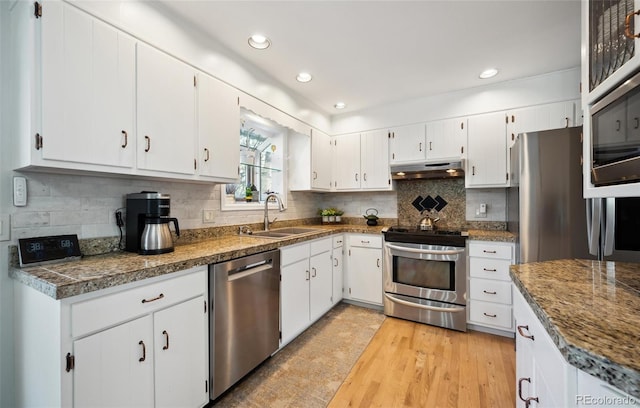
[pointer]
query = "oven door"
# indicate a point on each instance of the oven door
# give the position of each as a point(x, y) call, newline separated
point(430, 272)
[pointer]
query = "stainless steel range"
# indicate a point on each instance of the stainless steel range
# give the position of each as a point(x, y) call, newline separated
point(425, 276)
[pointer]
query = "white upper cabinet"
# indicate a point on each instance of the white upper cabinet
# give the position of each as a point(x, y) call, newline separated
point(320, 160)
point(407, 144)
point(487, 151)
point(310, 161)
point(446, 139)
point(166, 112)
point(542, 117)
point(347, 158)
point(88, 91)
point(362, 161)
point(218, 128)
point(374, 161)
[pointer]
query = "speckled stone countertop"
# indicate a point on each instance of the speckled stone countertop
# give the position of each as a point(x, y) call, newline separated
point(490, 235)
point(591, 310)
point(91, 273)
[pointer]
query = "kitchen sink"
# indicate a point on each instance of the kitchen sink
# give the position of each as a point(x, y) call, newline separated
point(279, 233)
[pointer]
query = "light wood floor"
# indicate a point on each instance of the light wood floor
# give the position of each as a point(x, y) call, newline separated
point(415, 365)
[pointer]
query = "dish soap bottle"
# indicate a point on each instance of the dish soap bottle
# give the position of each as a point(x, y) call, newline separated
point(248, 197)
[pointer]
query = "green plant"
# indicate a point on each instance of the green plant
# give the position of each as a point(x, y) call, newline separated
point(325, 212)
point(339, 212)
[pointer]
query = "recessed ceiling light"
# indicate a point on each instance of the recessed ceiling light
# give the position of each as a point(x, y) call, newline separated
point(259, 41)
point(304, 77)
point(340, 105)
point(488, 73)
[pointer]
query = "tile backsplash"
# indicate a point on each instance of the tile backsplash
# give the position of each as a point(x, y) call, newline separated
point(448, 195)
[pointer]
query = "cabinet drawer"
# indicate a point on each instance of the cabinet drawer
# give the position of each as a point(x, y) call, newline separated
point(338, 241)
point(321, 245)
point(489, 269)
point(365, 241)
point(294, 253)
point(490, 314)
point(105, 311)
point(490, 250)
point(491, 291)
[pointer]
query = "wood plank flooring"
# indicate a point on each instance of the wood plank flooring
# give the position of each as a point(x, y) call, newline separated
point(415, 365)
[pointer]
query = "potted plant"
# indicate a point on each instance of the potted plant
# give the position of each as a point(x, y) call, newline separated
point(371, 215)
point(325, 215)
point(339, 214)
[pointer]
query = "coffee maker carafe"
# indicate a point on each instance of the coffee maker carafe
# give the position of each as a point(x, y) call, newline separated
point(148, 223)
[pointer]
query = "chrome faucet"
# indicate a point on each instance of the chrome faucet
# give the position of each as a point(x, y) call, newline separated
point(266, 209)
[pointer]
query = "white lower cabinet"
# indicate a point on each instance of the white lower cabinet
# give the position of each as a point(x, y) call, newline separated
point(545, 379)
point(143, 346)
point(543, 376)
point(489, 289)
point(306, 286)
point(364, 268)
point(338, 269)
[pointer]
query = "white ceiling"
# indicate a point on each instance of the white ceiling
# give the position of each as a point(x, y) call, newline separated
point(371, 53)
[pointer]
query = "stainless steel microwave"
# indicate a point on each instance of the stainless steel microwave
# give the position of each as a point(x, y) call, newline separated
point(615, 135)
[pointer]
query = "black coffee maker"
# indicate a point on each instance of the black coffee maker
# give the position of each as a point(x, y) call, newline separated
point(148, 223)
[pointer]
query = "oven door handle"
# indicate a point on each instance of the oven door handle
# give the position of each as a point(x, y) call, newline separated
point(426, 251)
point(426, 307)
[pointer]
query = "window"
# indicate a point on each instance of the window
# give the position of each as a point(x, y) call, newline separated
point(262, 157)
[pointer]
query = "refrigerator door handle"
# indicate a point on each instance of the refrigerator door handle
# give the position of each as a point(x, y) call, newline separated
point(594, 210)
point(610, 226)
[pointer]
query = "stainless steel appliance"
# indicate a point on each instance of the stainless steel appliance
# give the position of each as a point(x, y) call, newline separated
point(427, 171)
point(245, 319)
point(425, 276)
point(147, 223)
point(547, 210)
point(615, 122)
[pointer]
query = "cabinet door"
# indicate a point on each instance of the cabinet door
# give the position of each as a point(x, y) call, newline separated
point(321, 285)
point(487, 151)
point(88, 77)
point(320, 160)
point(294, 299)
point(181, 355)
point(347, 154)
point(407, 144)
point(446, 139)
point(218, 129)
point(114, 368)
point(365, 274)
point(337, 258)
point(166, 112)
point(374, 161)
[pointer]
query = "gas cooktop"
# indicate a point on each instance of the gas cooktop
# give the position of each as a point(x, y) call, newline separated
point(415, 235)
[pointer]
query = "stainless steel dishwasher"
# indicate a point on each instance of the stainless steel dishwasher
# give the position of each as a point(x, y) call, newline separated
point(245, 321)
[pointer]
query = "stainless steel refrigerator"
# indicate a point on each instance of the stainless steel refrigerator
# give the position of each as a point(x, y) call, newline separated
point(546, 208)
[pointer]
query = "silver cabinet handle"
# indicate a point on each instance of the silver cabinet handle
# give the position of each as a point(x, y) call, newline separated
point(336, 264)
point(308, 275)
point(126, 139)
point(488, 252)
point(148, 140)
point(160, 296)
point(489, 293)
point(207, 154)
point(489, 270)
point(489, 315)
point(314, 273)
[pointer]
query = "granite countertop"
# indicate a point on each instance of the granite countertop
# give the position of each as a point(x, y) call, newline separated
point(91, 273)
point(591, 310)
point(492, 235)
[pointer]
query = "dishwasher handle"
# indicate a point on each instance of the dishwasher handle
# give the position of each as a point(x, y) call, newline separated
point(250, 269)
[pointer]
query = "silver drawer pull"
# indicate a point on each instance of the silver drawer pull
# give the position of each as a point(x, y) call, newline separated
point(489, 293)
point(526, 336)
point(488, 252)
point(489, 270)
point(489, 315)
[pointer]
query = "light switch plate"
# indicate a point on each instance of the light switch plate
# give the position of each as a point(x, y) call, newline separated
point(5, 227)
point(19, 191)
point(208, 216)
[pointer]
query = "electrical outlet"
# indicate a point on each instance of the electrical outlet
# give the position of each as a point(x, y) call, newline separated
point(208, 216)
point(5, 227)
point(481, 211)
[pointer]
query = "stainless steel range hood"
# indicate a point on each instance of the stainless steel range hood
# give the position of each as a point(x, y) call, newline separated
point(427, 171)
